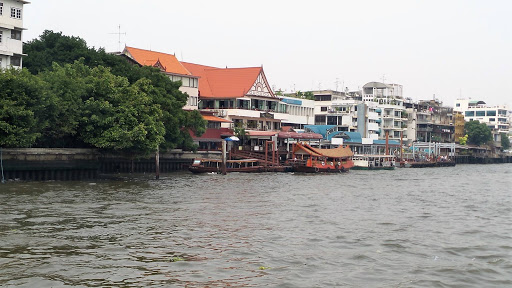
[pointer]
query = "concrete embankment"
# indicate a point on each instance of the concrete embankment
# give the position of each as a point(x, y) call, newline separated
point(40, 164)
point(480, 159)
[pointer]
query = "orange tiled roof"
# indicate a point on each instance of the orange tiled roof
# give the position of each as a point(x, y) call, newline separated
point(224, 82)
point(214, 119)
point(168, 62)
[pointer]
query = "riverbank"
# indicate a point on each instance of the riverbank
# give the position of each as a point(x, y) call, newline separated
point(64, 164)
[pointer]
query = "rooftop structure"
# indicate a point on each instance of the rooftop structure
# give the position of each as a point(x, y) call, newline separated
point(169, 65)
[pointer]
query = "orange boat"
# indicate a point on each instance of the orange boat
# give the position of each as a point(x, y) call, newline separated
point(314, 160)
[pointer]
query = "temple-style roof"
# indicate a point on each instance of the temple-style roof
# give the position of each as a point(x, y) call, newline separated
point(166, 62)
point(223, 83)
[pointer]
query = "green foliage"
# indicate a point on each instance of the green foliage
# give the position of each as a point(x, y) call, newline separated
point(105, 101)
point(463, 140)
point(478, 133)
point(118, 116)
point(505, 142)
point(309, 95)
point(22, 107)
point(241, 133)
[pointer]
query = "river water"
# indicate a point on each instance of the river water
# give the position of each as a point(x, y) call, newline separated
point(430, 227)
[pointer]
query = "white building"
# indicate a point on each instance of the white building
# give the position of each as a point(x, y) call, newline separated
point(11, 28)
point(495, 117)
point(390, 104)
point(299, 112)
point(346, 113)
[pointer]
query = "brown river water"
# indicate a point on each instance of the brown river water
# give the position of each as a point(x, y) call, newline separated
point(430, 227)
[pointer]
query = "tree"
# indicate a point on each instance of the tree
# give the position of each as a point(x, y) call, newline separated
point(22, 106)
point(67, 91)
point(478, 133)
point(55, 47)
point(463, 140)
point(118, 116)
point(241, 133)
point(505, 142)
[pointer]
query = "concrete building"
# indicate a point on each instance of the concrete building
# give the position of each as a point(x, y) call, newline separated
point(11, 30)
point(299, 112)
point(495, 117)
point(389, 100)
point(430, 121)
point(352, 116)
point(169, 65)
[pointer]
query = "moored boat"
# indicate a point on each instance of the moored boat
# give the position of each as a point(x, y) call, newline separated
point(314, 160)
point(374, 162)
point(215, 166)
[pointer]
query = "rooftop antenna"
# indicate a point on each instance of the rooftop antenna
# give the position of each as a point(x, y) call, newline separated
point(119, 37)
point(337, 82)
point(383, 78)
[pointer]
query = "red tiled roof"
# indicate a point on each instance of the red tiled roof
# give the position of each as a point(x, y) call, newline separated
point(215, 119)
point(224, 82)
point(287, 129)
point(296, 135)
point(261, 133)
point(213, 135)
point(149, 58)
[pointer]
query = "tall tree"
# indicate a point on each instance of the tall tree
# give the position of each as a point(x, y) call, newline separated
point(55, 47)
point(22, 106)
point(478, 133)
point(505, 142)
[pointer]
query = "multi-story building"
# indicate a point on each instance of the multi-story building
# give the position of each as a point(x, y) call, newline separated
point(11, 29)
point(495, 117)
point(299, 112)
point(352, 116)
point(390, 104)
point(430, 121)
point(169, 65)
point(240, 95)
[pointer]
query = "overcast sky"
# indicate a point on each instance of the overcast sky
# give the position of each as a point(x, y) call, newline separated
point(444, 47)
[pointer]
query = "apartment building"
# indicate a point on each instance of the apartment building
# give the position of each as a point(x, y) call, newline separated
point(11, 30)
point(495, 117)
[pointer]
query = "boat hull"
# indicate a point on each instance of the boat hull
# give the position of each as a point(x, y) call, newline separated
point(254, 169)
point(373, 168)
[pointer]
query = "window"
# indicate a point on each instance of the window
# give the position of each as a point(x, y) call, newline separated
point(323, 109)
point(470, 113)
point(15, 13)
point(457, 105)
point(16, 34)
point(502, 112)
point(491, 113)
point(16, 61)
point(480, 113)
point(492, 119)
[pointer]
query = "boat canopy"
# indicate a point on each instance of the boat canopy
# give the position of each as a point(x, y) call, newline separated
point(340, 152)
